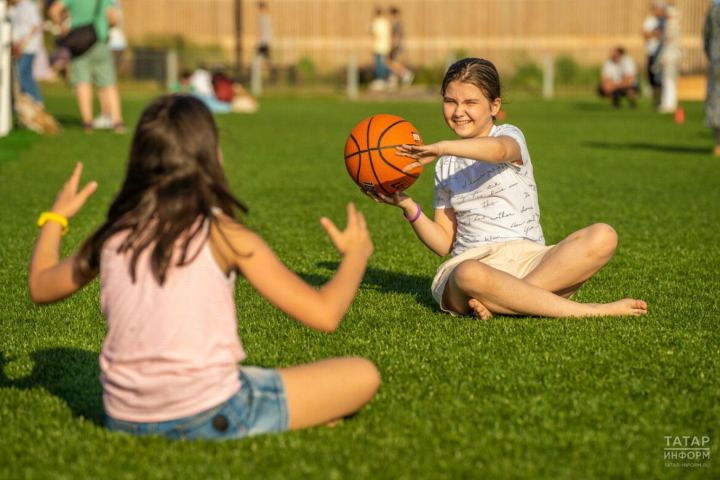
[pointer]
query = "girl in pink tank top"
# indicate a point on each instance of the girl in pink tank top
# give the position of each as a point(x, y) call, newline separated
point(167, 256)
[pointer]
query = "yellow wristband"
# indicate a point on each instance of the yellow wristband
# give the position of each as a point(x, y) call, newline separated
point(53, 217)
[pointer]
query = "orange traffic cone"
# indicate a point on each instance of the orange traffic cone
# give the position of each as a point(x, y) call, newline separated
point(679, 115)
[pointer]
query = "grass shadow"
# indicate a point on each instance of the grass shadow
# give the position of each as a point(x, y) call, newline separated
point(417, 286)
point(70, 374)
point(655, 147)
point(69, 120)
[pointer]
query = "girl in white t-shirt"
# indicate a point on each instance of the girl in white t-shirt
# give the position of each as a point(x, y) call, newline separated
point(487, 215)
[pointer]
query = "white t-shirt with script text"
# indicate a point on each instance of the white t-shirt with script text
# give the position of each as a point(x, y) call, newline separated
point(492, 202)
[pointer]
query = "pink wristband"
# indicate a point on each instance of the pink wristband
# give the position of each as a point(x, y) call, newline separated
point(416, 216)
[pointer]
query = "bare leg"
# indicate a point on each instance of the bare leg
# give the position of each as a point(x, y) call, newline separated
point(567, 266)
point(110, 99)
point(574, 260)
point(503, 293)
point(328, 390)
point(83, 92)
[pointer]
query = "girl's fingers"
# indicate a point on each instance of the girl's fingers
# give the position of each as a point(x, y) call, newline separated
point(330, 228)
point(412, 166)
point(362, 223)
point(351, 215)
point(371, 195)
point(74, 179)
point(88, 190)
point(384, 197)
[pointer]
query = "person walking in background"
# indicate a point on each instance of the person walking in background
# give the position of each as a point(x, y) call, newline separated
point(653, 28)
point(264, 31)
point(619, 78)
point(711, 44)
point(381, 31)
point(265, 34)
point(26, 42)
point(116, 37)
point(394, 60)
point(95, 66)
point(117, 43)
point(669, 59)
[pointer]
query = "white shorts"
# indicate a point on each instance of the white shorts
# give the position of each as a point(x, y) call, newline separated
point(518, 258)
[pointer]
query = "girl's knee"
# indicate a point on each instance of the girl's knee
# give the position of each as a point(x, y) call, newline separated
point(471, 274)
point(366, 374)
point(603, 238)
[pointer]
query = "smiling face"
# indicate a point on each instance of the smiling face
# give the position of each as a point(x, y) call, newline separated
point(467, 111)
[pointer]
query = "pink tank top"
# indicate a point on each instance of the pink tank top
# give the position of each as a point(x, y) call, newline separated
point(173, 350)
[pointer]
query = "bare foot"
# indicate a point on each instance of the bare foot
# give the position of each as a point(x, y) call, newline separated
point(621, 308)
point(479, 310)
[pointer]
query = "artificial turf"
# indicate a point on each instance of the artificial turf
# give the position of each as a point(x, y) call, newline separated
point(460, 398)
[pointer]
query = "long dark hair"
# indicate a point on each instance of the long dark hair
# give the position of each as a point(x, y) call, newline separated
point(173, 182)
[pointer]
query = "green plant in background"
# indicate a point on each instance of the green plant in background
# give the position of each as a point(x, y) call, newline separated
point(429, 75)
point(528, 78)
point(306, 69)
point(567, 71)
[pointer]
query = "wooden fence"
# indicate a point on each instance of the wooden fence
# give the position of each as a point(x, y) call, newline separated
point(506, 31)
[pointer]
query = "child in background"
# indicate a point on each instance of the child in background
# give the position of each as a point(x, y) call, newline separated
point(167, 257)
point(487, 215)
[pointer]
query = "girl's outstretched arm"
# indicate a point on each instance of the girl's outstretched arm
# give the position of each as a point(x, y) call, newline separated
point(50, 278)
point(322, 308)
point(486, 149)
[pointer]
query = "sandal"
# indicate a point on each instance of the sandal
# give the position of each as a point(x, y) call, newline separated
point(119, 128)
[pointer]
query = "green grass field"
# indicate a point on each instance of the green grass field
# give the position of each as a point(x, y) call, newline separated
point(461, 398)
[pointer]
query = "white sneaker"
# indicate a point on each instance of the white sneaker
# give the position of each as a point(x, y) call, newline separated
point(378, 85)
point(102, 123)
point(408, 78)
point(392, 82)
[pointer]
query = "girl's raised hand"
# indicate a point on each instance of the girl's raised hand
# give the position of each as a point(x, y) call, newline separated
point(355, 238)
point(422, 154)
point(69, 201)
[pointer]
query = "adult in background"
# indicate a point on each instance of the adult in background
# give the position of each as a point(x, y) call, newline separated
point(394, 60)
point(619, 78)
point(381, 31)
point(116, 37)
point(96, 66)
point(26, 41)
point(117, 43)
point(711, 43)
point(653, 32)
point(670, 59)
point(265, 35)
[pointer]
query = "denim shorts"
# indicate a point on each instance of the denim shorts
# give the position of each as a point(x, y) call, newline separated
point(260, 406)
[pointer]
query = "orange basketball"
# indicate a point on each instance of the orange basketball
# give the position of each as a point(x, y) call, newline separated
point(370, 155)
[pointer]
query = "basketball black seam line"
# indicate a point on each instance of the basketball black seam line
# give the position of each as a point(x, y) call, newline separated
point(386, 147)
point(372, 167)
point(380, 149)
point(357, 144)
